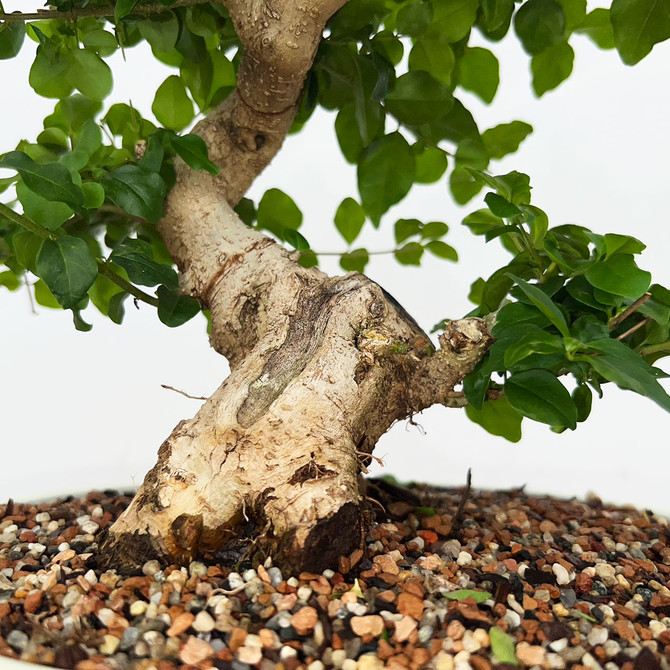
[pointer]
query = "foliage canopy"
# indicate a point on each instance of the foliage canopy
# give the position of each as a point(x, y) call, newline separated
point(83, 198)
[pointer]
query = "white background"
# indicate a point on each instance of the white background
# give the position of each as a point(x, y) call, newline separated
point(85, 410)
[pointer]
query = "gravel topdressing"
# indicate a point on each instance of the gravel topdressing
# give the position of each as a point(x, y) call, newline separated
point(511, 579)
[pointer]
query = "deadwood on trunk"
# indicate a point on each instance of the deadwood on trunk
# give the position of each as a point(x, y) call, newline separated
point(320, 367)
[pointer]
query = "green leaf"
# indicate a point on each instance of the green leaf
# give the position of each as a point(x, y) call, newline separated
point(478, 72)
point(68, 269)
point(409, 254)
point(44, 297)
point(505, 138)
point(418, 98)
point(277, 211)
point(12, 35)
point(431, 163)
point(538, 395)
point(48, 73)
point(598, 27)
point(462, 594)
point(385, 174)
point(122, 8)
point(622, 244)
point(544, 303)
point(414, 18)
point(575, 13)
point(405, 228)
point(434, 229)
point(295, 239)
point(518, 313)
point(349, 219)
point(101, 42)
point(175, 309)
point(454, 18)
point(628, 370)
point(9, 280)
point(551, 67)
point(137, 259)
point(496, 14)
point(136, 191)
point(51, 215)
point(442, 250)
point(463, 187)
point(533, 343)
point(498, 418)
point(502, 646)
point(193, 150)
point(161, 31)
point(52, 181)
point(638, 25)
point(90, 75)
point(482, 221)
point(500, 206)
point(539, 24)
point(620, 275)
point(94, 195)
point(432, 53)
point(355, 261)
point(172, 106)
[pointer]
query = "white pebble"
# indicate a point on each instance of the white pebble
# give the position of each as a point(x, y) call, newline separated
point(97, 511)
point(339, 656)
point(316, 665)
point(349, 664)
point(287, 652)
point(204, 623)
point(328, 574)
point(63, 546)
point(657, 627)
point(590, 662)
point(150, 568)
point(304, 592)
point(293, 582)
point(235, 580)
point(249, 575)
point(36, 548)
point(558, 645)
point(90, 527)
point(42, 517)
point(464, 558)
point(562, 575)
point(598, 635)
point(138, 608)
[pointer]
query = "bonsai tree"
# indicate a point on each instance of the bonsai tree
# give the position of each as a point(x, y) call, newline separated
point(103, 205)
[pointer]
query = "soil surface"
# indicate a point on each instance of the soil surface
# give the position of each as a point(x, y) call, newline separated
point(449, 579)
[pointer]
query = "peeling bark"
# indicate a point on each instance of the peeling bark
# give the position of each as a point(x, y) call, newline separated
point(320, 367)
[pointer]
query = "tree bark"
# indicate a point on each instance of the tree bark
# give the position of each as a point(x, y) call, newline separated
point(320, 367)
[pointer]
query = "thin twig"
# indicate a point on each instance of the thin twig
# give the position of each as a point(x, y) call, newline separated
point(144, 10)
point(192, 397)
point(637, 326)
point(628, 311)
point(456, 521)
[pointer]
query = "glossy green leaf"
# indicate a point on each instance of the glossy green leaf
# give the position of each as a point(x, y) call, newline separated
point(432, 53)
point(418, 98)
point(101, 42)
point(442, 250)
point(496, 14)
point(404, 228)
point(539, 24)
point(462, 185)
point(12, 35)
point(575, 13)
point(544, 303)
point(51, 181)
point(44, 297)
point(277, 211)
point(385, 174)
point(622, 244)
point(90, 75)
point(454, 18)
point(583, 399)
point(193, 151)
point(296, 239)
point(67, 267)
point(172, 106)
point(628, 370)
point(501, 207)
point(482, 221)
point(51, 215)
point(538, 395)
point(161, 31)
point(533, 343)
point(502, 646)
point(551, 67)
point(414, 18)
point(48, 73)
point(355, 261)
point(598, 27)
point(434, 229)
point(349, 219)
point(638, 25)
point(175, 309)
point(462, 594)
point(137, 259)
point(498, 418)
point(136, 191)
point(620, 275)
point(516, 314)
point(431, 163)
point(478, 71)
point(122, 8)
point(9, 280)
point(409, 254)
point(505, 138)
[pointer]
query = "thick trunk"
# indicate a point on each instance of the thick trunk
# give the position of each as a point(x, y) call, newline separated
point(320, 367)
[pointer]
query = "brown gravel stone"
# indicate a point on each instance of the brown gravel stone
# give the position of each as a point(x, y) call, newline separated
point(195, 651)
point(404, 628)
point(180, 624)
point(238, 637)
point(367, 625)
point(410, 605)
point(304, 620)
